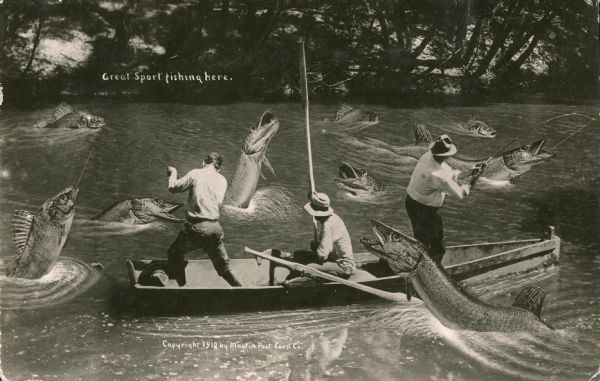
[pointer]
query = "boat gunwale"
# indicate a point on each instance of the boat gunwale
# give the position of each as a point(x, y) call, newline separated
point(553, 240)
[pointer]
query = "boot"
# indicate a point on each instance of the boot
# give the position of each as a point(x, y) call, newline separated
point(232, 278)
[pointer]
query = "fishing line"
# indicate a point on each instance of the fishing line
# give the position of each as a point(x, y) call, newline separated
point(573, 134)
point(84, 166)
point(152, 154)
point(528, 131)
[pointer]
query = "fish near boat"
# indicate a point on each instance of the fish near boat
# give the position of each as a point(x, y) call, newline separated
point(253, 156)
point(354, 180)
point(139, 211)
point(452, 306)
point(351, 114)
point(41, 236)
point(65, 117)
point(205, 291)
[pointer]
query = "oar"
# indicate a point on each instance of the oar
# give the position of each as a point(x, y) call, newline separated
point(319, 274)
point(304, 91)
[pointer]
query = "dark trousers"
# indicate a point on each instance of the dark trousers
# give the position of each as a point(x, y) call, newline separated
point(310, 259)
point(206, 235)
point(427, 227)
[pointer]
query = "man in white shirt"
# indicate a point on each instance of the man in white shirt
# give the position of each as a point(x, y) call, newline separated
point(429, 183)
point(332, 251)
point(206, 189)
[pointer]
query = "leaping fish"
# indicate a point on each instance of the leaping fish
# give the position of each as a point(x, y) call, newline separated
point(475, 127)
point(138, 211)
point(354, 180)
point(450, 305)
point(351, 114)
point(253, 156)
point(65, 117)
point(40, 237)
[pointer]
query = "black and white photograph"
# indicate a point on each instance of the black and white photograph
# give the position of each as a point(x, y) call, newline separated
point(282, 190)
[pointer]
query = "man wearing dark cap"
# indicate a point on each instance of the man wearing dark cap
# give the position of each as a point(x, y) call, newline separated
point(331, 252)
point(206, 189)
point(429, 183)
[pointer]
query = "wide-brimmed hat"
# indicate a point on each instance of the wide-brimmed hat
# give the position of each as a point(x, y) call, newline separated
point(443, 146)
point(319, 205)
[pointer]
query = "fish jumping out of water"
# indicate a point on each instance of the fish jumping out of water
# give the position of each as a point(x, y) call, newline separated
point(65, 117)
point(40, 237)
point(253, 156)
point(450, 305)
point(138, 211)
point(475, 127)
point(350, 114)
point(354, 180)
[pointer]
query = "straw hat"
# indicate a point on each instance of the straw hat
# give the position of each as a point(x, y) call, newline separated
point(319, 205)
point(443, 146)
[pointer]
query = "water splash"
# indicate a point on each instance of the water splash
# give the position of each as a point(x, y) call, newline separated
point(270, 205)
point(68, 278)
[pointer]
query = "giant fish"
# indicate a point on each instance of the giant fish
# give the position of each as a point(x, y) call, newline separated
point(350, 114)
point(474, 127)
point(354, 180)
point(65, 117)
point(40, 237)
point(138, 211)
point(253, 156)
point(450, 305)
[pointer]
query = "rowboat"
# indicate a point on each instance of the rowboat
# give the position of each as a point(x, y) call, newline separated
point(205, 291)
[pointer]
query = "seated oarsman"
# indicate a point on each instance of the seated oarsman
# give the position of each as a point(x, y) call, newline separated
point(331, 252)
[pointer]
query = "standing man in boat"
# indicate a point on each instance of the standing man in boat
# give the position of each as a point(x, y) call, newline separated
point(429, 183)
point(206, 189)
point(331, 252)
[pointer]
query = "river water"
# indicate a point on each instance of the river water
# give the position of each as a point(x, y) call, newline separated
point(69, 326)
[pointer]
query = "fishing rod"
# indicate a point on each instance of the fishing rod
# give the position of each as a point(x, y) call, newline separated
point(84, 167)
point(152, 154)
point(304, 92)
point(574, 133)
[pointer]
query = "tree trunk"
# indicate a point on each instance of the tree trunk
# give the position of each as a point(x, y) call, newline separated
point(36, 43)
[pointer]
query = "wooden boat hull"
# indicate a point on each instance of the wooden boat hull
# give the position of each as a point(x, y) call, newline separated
point(206, 292)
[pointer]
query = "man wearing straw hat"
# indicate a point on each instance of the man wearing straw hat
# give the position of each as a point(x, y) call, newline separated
point(430, 181)
point(331, 252)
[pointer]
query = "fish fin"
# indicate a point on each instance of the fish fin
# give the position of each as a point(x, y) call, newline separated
point(531, 298)
point(422, 134)
point(343, 110)
point(269, 166)
point(62, 110)
point(22, 222)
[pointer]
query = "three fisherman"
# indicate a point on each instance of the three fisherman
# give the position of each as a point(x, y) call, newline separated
point(331, 250)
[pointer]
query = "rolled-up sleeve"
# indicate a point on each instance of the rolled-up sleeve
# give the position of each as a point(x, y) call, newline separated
point(326, 244)
point(180, 185)
point(449, 186)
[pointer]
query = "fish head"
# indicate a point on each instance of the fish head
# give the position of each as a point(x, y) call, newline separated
point(528, 155)
point(399, 250)
point(149, 209)
point(87, 120)
point(61, 207)
point(354, 179)
point(481, 128)
point(261, 134)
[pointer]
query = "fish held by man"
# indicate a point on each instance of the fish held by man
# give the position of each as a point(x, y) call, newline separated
point(253, 156)
point(351, 114)
point(41, 236)
point(66, 117)
point(355, 180)
point(139, 211)
point(450, 305)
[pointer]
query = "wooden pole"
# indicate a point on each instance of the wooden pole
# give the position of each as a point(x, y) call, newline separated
point(319, 274)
